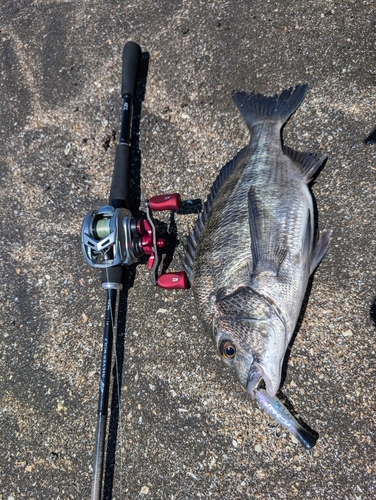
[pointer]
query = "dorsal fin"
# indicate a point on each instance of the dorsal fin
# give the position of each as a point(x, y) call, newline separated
point(192, 240)
point(309, 163)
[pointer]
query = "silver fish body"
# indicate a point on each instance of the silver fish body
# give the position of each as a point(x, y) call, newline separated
point(254, 247)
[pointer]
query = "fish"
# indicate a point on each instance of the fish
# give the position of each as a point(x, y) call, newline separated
point(255, 245)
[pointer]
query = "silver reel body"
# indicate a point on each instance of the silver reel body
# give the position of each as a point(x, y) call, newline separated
point(108, 237)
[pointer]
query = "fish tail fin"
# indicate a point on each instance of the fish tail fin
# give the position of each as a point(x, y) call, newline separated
point(256, 107)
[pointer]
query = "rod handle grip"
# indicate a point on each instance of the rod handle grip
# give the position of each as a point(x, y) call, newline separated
point(113, 275)
point(131, 62)
point(120, 185)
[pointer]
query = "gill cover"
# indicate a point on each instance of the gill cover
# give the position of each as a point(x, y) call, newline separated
point(249, 323)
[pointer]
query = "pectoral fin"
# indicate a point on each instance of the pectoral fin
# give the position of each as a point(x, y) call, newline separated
point(268, 244)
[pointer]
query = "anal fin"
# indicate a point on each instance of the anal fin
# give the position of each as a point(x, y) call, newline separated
point(320, 249)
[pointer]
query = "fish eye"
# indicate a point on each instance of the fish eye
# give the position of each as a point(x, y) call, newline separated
point(227, 349)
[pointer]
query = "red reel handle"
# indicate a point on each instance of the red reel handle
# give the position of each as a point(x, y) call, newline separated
point(173, 280)
point(165, 202)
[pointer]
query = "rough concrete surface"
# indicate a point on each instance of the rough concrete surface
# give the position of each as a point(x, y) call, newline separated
point(186, 429)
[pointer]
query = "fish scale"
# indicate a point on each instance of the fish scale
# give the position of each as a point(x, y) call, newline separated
point(224, 235)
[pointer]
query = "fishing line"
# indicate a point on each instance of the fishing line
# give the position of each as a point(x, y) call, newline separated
point(116, 366)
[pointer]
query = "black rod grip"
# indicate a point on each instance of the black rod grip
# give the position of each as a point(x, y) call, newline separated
point(120, 185)
point(131, 62)
point(112, 275)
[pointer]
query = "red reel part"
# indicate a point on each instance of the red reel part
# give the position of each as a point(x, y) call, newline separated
point(165, 202)
point(173, 280)
point(150, 247)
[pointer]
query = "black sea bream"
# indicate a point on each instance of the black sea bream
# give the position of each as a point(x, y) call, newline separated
point(254, 246)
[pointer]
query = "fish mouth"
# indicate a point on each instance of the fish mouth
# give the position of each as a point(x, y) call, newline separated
point(256, 375)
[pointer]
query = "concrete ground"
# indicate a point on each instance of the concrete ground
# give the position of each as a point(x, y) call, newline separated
point(186, 428)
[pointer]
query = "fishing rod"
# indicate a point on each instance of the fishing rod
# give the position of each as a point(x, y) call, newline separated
point(113, 239)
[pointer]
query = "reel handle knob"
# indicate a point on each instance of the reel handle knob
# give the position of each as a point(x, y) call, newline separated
point(165, 202)
point(173, 280)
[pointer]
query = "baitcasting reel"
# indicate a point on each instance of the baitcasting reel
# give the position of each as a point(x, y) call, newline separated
point(112, 236)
